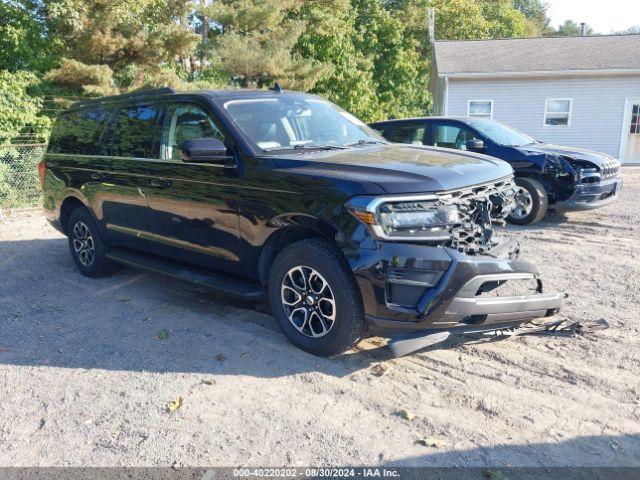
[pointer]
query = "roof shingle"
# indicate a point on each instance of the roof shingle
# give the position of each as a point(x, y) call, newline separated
point(522, 55)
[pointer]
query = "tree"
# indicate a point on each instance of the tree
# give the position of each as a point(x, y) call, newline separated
point(572, 29)
point(536, 13)
point(503, 20)
point(630, 31)
point(255, 40)
point(25, 42)
point(110, 46)
point(374, 66)
point(19, 106)
point(462, 19)
point(401, 77)
point(329, 39)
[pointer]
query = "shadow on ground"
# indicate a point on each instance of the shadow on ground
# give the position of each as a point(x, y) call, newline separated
point(51, 315)
point(609, 457)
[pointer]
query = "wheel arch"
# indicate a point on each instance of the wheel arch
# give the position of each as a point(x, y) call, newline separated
point(287, 235)
point(68, 205)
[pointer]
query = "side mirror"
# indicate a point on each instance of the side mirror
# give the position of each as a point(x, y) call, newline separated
point(204, 150)
point(475, 145)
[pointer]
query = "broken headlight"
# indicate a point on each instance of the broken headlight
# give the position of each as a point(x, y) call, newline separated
point(405, 218)
point(557, 165)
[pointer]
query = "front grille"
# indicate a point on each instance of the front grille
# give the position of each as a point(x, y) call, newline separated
point(610, 169)
point(480, 207)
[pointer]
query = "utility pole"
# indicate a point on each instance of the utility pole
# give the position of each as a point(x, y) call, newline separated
point(432, 25)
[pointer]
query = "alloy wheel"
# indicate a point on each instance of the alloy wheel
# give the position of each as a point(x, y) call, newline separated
point(524, 204)
point(83, 244)
point(308, 301)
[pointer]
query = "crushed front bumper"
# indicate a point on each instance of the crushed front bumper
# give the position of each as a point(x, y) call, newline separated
point(588, 196)
point(488, 310)
point(413, 288)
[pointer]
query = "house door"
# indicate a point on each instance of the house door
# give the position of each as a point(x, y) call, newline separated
point(630, 148)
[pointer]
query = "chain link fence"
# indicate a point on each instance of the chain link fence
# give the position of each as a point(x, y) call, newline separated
point(19, 182)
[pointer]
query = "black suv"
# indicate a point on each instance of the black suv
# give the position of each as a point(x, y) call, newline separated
point(282, 195)
point(548, 176)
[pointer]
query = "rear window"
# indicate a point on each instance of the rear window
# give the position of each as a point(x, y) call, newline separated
point(133, 132)
point(406, 133)
point(78, 133)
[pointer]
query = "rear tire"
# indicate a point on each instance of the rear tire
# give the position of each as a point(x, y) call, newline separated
point(315, 298)
point(87, 247)
point(532, 202)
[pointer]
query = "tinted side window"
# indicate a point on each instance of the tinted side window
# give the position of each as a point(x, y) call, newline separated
point(451, 136)
point(185, 122)
point(78, 133)
point(133, 132)
point(412, 133)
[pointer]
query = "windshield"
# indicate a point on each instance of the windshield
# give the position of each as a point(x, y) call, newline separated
point(501, 134)
point(298, 122)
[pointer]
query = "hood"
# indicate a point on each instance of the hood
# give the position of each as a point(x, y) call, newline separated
point(596, 158)
point(398, 168)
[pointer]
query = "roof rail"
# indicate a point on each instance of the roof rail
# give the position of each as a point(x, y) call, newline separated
point(124, 96)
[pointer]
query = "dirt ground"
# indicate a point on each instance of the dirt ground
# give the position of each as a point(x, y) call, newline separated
point(86, 373)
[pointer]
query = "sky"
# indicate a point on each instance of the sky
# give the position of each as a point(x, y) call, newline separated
point(604, 16)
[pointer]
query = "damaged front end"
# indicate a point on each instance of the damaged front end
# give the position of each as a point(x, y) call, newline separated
point(462, 219)
point(481, 208)
point(579, 184)
point(450, 272)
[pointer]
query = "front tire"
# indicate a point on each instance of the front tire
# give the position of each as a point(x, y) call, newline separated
point(87, 247)
point(315, 298)
point(531, 202)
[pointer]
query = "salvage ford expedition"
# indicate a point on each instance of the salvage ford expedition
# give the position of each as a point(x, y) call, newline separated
point(285, 196)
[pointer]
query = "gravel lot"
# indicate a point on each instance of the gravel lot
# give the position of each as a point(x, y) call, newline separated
point(86, 374)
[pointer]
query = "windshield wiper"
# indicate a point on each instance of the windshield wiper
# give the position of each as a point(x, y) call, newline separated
point(309, 146)
point(313, 146)
point(364, 142)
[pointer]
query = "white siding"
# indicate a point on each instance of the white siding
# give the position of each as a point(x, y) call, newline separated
point(597, 110)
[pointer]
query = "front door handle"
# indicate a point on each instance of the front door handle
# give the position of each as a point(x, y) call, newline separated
point(160, 183)
point(99, 176)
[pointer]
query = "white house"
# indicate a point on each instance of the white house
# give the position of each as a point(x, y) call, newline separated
point(576, 91)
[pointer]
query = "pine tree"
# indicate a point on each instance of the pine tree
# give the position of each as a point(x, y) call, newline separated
point(255, 40)
point(110, 46)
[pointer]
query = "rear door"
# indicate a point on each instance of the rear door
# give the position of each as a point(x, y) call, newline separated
point(121, 189)
point(193, 206)
point(406, 132)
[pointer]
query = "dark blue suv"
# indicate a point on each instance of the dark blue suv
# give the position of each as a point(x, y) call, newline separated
point(548, 176)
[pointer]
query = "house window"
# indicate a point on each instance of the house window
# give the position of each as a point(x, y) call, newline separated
point(480, 108)
point(557, 112)
point(635, 119)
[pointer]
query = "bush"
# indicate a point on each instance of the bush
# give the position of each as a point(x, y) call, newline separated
point(18, 107)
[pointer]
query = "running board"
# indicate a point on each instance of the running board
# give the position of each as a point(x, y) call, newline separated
point(214, 281)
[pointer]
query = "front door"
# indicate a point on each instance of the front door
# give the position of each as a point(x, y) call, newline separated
point(447, 134)
point(630, 148)
point(192, 206)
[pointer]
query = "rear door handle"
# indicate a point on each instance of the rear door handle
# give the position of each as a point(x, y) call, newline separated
point(160, 183)
point(99, 176)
